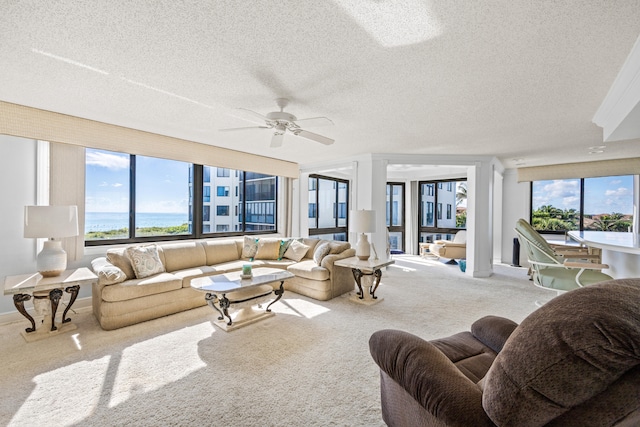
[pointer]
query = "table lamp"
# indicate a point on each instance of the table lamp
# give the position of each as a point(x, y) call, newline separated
point(52, 222)
point(363, 221)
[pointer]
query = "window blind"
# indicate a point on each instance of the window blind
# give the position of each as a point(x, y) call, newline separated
point(33, 123)
point(580, 170)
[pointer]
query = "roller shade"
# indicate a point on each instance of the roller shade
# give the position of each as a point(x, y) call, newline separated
point(580, 170)
point(33, 123)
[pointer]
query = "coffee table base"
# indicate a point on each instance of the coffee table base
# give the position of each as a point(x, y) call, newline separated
point(243, 317)
point(365, 300)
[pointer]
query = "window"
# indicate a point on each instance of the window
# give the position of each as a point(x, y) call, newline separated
point(603, 203)
point(222, 191)
point(133, 198)
point(328, 207)
point(450, 196)
point(395, 215)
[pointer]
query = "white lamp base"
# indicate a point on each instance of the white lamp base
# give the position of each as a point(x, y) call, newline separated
point(52, 260)
point(363, 249)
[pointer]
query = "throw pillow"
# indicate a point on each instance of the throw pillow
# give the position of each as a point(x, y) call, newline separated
point(108, 274)
point(119, 258)
point(284, 245)
point(249, 247)
point(268, 249)
point(296, 250)
point(145, 260)
point(322, 250)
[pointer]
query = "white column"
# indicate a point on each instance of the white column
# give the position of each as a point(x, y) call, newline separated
point(479, 220)
point(371, 179)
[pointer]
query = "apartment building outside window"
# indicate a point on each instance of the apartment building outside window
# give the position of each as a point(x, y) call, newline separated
point(444, 196)
point(328, 207)
point(601, 203)
point(395, 215)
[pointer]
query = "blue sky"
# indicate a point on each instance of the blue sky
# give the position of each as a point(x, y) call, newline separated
point(602, 195)
point(162, 185)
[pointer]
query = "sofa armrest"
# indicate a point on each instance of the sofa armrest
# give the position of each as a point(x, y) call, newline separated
point(327, 262)
point(493, 331)
point(454, 245)
point(429, 377)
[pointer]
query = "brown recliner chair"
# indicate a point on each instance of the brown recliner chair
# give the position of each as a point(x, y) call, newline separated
point(573, 362)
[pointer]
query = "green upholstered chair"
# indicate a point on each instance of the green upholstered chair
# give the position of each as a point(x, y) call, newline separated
point(560, 271)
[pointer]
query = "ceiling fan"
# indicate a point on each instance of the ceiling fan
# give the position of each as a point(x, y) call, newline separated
point(281, 122)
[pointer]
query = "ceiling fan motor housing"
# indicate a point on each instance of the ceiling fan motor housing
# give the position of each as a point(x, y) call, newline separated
point(281, 116)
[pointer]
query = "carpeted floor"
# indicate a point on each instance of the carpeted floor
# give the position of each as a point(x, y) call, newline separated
point(307, 366)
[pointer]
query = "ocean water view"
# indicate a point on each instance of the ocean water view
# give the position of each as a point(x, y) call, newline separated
point(105, 221)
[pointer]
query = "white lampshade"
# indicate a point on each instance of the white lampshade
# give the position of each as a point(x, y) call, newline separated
point(362, 221)
point(51, 221)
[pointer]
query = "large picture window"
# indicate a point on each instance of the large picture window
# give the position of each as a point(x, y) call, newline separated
point(442, 209)
point(602, 203)
point(133, 198)
point(328, 207)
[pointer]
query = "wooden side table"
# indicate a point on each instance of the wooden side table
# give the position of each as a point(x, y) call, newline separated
point(360, 268)
point(24, 287)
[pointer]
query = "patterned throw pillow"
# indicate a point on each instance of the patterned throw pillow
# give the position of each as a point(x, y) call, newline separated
point(108, 274)
point(145, 260)
point(322, 250)
point(296, 250)
point(249, 247)
point(284, 245)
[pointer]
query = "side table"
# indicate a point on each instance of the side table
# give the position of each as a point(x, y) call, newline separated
point(360, 268)
point(24, 287)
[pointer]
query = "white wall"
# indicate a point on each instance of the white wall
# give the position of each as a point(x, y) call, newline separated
point(17, 189)
point(515, 205)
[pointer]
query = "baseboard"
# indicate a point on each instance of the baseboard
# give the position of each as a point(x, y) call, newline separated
point(81, 305)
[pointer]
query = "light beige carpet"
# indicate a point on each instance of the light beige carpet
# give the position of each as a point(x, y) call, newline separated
point(307, 366)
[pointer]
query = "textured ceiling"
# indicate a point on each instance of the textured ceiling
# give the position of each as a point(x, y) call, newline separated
point(514, 79)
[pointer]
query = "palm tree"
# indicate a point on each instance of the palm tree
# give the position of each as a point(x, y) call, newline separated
point(461, 194)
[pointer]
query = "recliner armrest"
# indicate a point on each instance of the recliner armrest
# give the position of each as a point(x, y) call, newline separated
point(493, 331)
point(429, 377)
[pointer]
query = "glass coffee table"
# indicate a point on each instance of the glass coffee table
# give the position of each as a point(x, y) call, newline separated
point(231, 291)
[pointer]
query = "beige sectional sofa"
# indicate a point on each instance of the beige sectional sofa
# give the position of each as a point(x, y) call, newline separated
point(120, 298)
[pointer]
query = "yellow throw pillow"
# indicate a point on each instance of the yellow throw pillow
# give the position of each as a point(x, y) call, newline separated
point(268, 249)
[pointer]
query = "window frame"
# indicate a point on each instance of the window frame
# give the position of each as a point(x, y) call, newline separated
point(315, 231)
point(402, 227)
point(438, 209)
point(581, 213)
point(195, 214)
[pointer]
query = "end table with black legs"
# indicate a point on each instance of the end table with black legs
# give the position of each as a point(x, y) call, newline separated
point(370, 269)
point(47, 293)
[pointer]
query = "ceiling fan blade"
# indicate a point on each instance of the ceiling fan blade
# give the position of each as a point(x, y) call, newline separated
point(316, 121)
point(277, 139)
point(243, 128)
point(248, 115)
point(314, 137)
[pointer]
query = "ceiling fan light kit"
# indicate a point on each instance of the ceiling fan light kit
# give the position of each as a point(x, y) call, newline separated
point(281, 122)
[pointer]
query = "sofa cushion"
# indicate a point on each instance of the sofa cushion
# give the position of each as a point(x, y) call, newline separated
point(321, 251)
point(296, 250)
point(268, 248)
point(219, 251)
point(108, 274)
point(145, 260)
point(226, 267)
point(309, 270)
point(312, 243)
point(249, 247)
point(118, 258)
point(188, 274)
point(179, 256)
point(136, 288)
